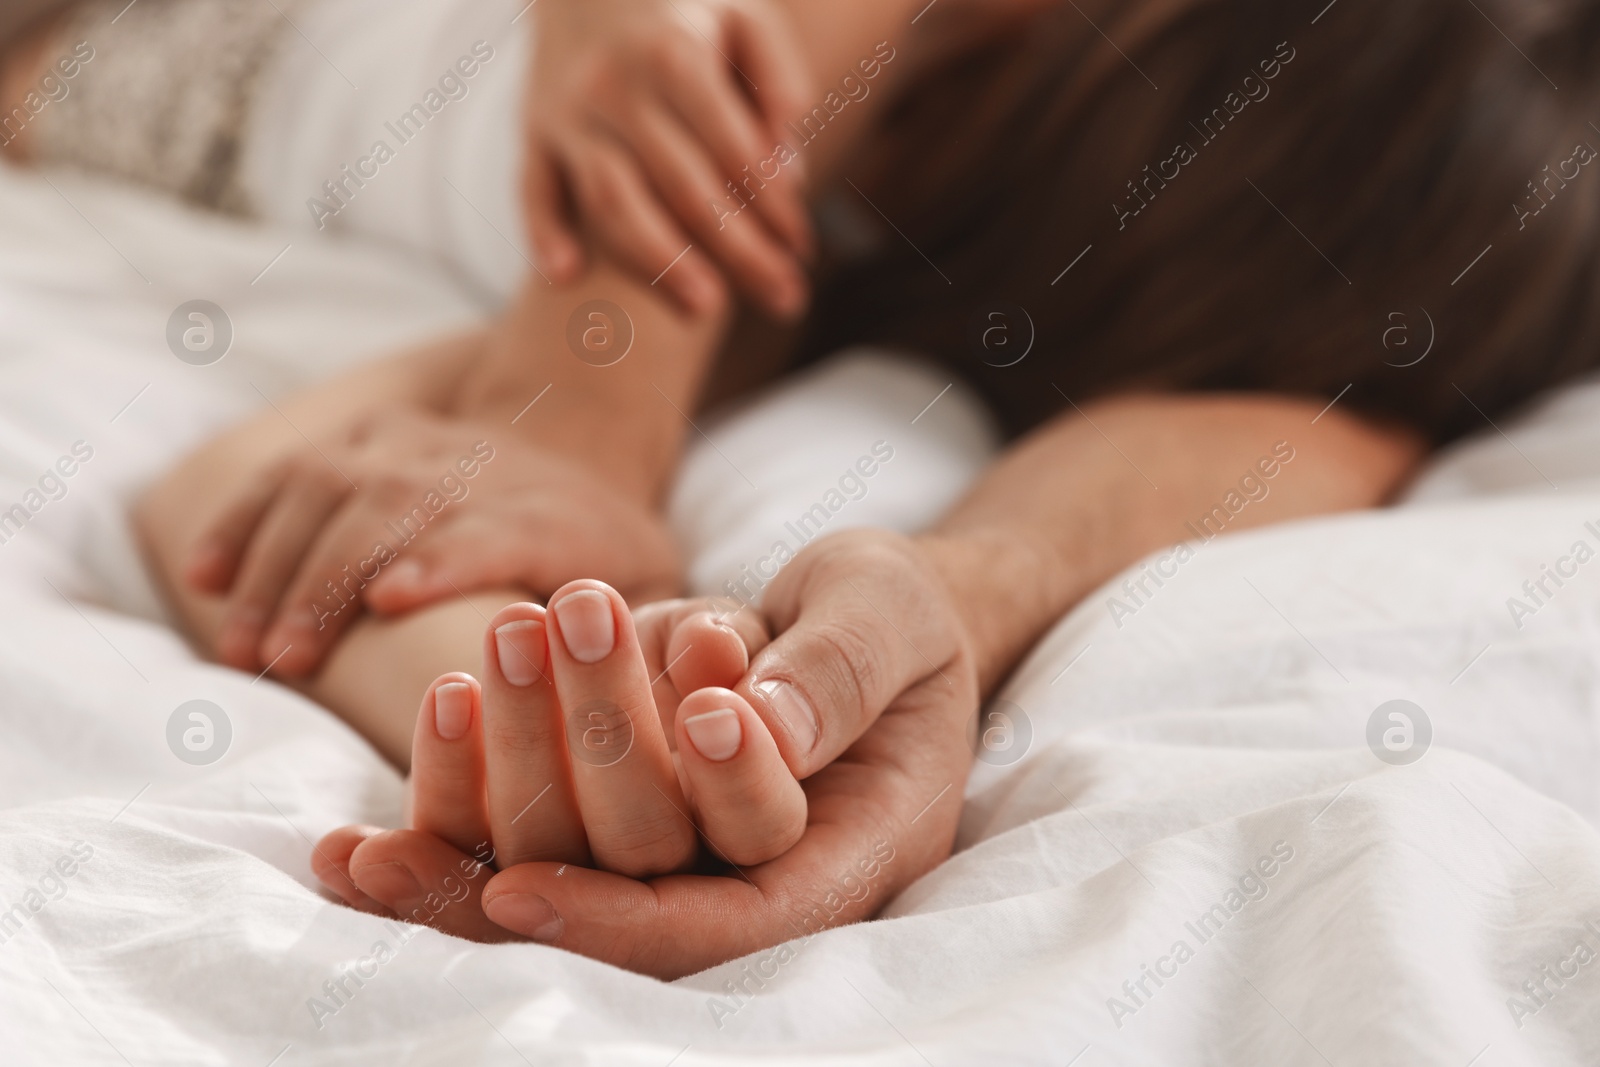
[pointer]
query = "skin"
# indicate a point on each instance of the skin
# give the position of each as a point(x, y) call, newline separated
point(24, 61)
point(891, 641)
point(274, 552)
point(641, 112)
point(509, 768)
point(544, 498)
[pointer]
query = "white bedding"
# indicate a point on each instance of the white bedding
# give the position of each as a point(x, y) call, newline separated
point(1168, 756)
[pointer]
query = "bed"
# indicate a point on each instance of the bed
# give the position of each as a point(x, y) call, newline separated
point(1197, 836)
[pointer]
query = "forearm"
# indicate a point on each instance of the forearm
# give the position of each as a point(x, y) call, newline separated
point(1094, 491)
point(628, 418)
point(189, 499)
point(545, 338)
point(611, 368)
point(374, 675)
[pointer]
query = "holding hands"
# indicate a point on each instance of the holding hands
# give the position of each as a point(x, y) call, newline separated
point(867, 693)
point(596, 736)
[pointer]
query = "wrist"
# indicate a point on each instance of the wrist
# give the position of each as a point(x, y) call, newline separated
point(1009, 588)
point(623, 439)
point(618, 433)
point(617, 425)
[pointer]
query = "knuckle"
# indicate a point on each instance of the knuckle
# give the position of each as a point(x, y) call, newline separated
point(646, 845)
point(640, 947)
point(299, 466)
point(285, 465)
point(363, 427)
point(602, 79)
point(675, 57)
point(849, 659)
point(255, 600)
point(605, 187)
point(750, 845)
point(316, 477)
point(524, 739)
point(870, 551)
point(389, 486)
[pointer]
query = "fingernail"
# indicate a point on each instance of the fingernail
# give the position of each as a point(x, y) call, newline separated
point(407, 573)
point(204, 562)
point(806, 246)
point(296, 627)
point(793, 710)
point(527, 914)
point(701, 291)
point(716, 734)
point(587, 626)
point(389, 883)
point(790, 300)
point(249, 618)
point(241, 635)
point(558, 257)
point(452, 710)
point(282, 659)
point(520, 647)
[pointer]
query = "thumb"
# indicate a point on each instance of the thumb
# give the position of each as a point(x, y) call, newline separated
point(555, 245)
point(860, 624)
point(684, 923)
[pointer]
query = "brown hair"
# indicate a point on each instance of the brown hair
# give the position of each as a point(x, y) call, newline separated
point(1340, 173)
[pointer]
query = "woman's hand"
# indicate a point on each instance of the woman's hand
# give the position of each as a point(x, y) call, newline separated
point(410, 507)
point(869, 689)
point(643, 117)
point(596, 736)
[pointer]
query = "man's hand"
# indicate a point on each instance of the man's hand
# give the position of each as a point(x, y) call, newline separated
point(871, 686)
point(655, 122)
point(407, 509)
point(870, 689)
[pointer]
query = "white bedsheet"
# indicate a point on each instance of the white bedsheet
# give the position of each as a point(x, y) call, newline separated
point(1221, 725)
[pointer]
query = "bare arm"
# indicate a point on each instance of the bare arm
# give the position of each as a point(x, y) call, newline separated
point(577, 474)
point(678, 137)
point(1092, 492)
point(889, 641)
point(374, 675)
point(624, 370)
